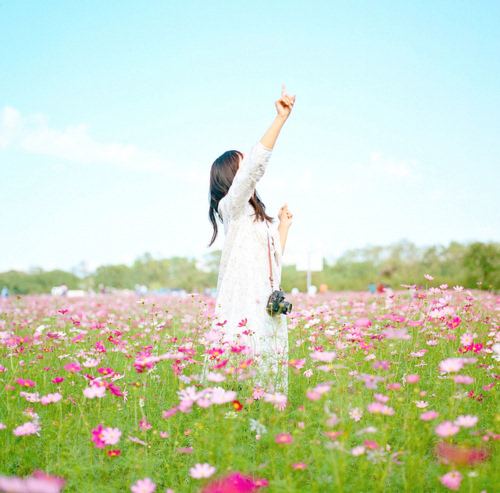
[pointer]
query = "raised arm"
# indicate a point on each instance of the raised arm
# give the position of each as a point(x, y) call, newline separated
point(284, 106)
point(252, 168)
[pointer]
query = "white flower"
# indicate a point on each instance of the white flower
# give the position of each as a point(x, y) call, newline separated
point(199, 471)
point(356, 414)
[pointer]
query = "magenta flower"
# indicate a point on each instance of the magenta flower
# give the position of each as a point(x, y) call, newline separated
point(25, 382)
point(97, 436)
point(234, 482)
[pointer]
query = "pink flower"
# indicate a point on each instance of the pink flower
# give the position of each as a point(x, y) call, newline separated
point(359, 450)
point(451, 480)
point(316, 393)
point(356, 414)
point(363, 323)
point(57, 380)
point(111, 436)
point(94, 391)
point(325, 356)
point(467, 339)
point(278, 400)
point(29, 428)
point(39, 481)
point(144, 424)
point(429, 415)
point(394, 386)
point(447, 429)
point(50, 398)
point(412, 378)
point(199, 471)
point(428, 277)
point(73, 367)
point(454, 322)
point(451, 365)
point(169, 412)
point(466, 421)
point(25, 382)
point(283, 438)
point(379, 408)
point(143, 486)
point(465, 379)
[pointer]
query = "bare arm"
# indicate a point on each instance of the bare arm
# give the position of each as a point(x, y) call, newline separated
point(283, 231)
point(284, 106)
point(286, 218)
point(253, 167)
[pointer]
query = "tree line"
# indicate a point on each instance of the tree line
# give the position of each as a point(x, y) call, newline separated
point(473, 265)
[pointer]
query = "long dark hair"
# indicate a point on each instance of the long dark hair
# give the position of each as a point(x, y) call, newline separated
point(221, 176)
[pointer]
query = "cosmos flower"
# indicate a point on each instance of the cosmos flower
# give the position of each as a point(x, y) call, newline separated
point(28, 428)
point(429, 415)
point(200, 471)
point(466, 421)
point(447, 429)
point(234, 482)
point(283, 438)
point(110, 436)
point(94, 391)
point(451, 480)
point(143, 486)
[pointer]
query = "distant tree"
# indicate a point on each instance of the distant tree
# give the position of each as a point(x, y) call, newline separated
point(482, 262)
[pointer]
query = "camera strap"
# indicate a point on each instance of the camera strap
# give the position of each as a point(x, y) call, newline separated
point(269, 254)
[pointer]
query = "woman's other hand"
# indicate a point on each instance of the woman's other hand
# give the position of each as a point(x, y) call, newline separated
point(285, 216)
point(285, 103)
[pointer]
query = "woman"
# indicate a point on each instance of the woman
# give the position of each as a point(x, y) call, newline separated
point(246, 266)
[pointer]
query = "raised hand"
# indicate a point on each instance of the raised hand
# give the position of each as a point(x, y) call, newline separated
point(285, 216)
point(285, 103)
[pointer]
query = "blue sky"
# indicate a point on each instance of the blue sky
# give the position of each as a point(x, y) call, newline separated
point(111, 114)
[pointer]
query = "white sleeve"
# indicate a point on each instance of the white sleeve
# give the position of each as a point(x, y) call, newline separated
point(249, 173)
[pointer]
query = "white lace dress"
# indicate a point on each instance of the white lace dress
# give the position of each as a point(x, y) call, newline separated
point(243, 285)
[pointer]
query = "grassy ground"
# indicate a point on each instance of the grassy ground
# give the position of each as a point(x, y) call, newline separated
point(388, 351)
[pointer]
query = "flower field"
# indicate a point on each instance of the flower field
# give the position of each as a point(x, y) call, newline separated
point(387, 392)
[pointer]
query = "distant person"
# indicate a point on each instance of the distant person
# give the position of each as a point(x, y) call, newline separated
point(372, 287)
point(380, 288)
point(247, 276)
point(5, 292)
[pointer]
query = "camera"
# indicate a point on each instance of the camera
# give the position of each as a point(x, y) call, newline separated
point(277, 303)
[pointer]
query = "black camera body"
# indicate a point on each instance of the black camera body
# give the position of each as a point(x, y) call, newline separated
point(277, 303)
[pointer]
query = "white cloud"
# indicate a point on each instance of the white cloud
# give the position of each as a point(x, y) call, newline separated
point(399, 169)
point(32, 134)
